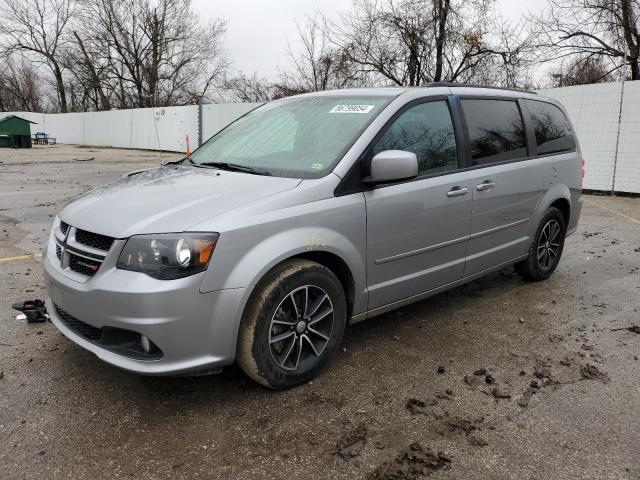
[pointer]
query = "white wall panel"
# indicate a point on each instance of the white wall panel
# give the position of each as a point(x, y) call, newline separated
point(165, 128)
point(628, 162)
point(146, 128)
point(111, 128)
point(66, 127)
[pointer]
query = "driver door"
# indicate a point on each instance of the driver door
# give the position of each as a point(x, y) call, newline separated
point(417, 231)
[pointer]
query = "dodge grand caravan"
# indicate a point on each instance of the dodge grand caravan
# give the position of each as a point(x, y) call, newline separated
point(308, 214)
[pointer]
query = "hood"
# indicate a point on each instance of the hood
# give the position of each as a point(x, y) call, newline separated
point(168, 199)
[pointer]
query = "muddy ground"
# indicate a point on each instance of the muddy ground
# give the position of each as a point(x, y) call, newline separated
point(497, 379)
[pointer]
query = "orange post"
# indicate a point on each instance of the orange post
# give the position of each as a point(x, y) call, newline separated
point(186, 138)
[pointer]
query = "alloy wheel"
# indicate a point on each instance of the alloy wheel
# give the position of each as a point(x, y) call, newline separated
point(549, 245)
point(301, 327)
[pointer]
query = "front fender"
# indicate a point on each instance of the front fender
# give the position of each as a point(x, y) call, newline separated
point(255, 264)
point(337, 226)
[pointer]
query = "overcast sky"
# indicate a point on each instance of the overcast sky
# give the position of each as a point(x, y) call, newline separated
point(258, 31)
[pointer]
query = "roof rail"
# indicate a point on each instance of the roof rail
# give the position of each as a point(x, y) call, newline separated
point(472, 85)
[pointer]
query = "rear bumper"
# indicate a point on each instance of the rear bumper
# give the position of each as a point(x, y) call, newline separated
point(576, 211)
point(194, 331)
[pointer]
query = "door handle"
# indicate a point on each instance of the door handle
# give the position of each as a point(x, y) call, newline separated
point(486, 185)
point(457, 192)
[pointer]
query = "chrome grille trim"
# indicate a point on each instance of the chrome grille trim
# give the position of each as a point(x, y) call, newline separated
point(81, 251)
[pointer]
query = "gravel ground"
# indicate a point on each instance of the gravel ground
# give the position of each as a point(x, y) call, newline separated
point(497, 379)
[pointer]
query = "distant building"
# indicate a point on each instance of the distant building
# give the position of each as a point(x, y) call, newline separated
point(15, 132)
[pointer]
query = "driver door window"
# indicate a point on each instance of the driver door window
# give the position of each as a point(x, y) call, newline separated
point(425, 129)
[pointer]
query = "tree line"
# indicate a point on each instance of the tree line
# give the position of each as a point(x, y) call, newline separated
point(82, 55)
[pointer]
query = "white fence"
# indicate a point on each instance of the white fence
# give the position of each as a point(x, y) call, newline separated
point(163, 128)
point(606, 117)
point(607, 120)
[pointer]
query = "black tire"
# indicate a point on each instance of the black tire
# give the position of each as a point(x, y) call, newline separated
point(277, 299)
point(534, 268)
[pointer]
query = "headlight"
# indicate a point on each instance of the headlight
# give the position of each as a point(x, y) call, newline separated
point(168, 256)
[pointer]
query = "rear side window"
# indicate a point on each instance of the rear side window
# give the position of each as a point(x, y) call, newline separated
point(496, 130)
point(425, 129)
point(552, 128)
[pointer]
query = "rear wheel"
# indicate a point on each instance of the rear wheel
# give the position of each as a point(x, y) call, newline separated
point(546, 248)
point(293, 325)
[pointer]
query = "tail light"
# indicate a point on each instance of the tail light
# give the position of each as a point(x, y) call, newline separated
point(582, 164)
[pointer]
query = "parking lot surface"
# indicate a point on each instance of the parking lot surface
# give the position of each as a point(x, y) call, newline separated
point(497, 379)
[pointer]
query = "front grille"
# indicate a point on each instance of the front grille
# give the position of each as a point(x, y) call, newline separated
point(95, 240)
point(81, 328)
point(83, 265)
point(73, 251)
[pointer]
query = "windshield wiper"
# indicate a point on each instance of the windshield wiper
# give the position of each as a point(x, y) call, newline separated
point(176, 162)
point(232, 167)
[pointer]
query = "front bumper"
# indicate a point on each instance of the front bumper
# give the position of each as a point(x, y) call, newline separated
point(194, 331)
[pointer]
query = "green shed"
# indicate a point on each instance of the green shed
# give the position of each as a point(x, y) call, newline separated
point(15, 132)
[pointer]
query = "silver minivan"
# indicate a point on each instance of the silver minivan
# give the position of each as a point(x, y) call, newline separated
point(308, 214)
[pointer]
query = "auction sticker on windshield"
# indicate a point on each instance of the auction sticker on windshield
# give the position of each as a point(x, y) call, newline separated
point(352, 109)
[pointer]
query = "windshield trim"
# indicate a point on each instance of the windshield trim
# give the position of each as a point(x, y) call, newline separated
point(386, 100)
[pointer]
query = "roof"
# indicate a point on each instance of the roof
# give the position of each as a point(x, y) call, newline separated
point(472, 85)
point(358, 92)
point(397, 91)
point(19, 118)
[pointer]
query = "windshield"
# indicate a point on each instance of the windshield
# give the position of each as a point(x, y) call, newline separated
point(297, 137)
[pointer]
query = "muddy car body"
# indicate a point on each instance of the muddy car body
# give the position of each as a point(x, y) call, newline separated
point(307, 214)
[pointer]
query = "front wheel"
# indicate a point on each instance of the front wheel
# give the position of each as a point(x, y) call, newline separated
point(293, 325)
point(546, 248)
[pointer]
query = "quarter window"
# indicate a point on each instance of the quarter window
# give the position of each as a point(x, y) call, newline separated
point(426, 130)
point(496, 130)
point(552, 128)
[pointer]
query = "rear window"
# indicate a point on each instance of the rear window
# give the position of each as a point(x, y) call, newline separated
point(496, 130)
point(552, 128)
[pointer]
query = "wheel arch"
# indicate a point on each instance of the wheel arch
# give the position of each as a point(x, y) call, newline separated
point(557, 196)
point(330, 260)
point(325, 246)
point(564, 206)
point(337, 266)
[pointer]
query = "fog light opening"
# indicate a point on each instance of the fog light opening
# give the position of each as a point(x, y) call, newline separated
point(146, 344)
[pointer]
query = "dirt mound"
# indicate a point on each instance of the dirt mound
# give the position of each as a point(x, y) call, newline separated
point(413, 463)
point(591, 372)
point(352, 443)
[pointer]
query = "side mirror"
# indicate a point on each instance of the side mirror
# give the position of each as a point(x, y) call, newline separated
point(393, 166)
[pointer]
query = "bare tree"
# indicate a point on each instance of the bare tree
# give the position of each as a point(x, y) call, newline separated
point(83, 61)
point(316, 64)
point(249, 88)
point(38, 28)
point(153, 52)
point(412, 42)
point(511, 62)
point(185, 58)
point(580, 72)
point(584, 30)
point(20, 86)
